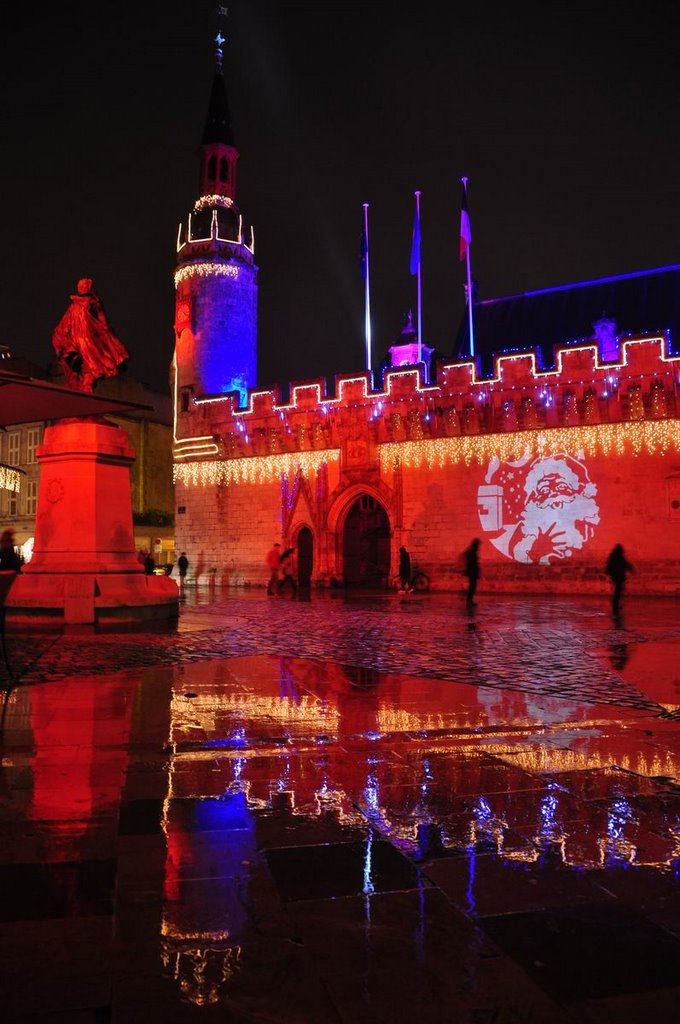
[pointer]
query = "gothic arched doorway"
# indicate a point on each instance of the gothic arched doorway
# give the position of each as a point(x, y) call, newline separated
point(366, 544)
point(305, 556)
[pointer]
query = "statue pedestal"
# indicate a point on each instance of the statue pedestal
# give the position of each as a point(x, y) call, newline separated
point(84, 569)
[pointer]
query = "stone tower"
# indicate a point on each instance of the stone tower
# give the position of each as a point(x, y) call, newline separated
point(216, 276)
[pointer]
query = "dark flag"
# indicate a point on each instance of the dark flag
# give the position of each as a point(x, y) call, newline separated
point(363, 255)
point(415, 244)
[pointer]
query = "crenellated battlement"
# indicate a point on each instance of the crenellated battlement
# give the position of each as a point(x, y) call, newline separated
point(579, 391)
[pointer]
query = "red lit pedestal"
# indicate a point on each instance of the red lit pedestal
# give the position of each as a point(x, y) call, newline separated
point(84, 568)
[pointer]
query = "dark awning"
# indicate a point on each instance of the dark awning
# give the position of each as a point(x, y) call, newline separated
point(25, 399)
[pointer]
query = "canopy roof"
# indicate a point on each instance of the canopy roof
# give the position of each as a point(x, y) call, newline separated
point(25, 399)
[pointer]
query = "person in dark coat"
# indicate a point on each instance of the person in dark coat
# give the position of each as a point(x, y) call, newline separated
point(617, 568)
point(286, 578)
point(404, 568)
point(182, 565)
point(9, 559)
point(274, 566)
point(471, 569)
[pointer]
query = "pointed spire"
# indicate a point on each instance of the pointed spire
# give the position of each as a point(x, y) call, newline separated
point(218, 122)
point(219, 154)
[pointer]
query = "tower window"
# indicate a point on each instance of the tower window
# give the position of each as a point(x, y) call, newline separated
point(224, 169)
point(212, 168)
point(184, 401)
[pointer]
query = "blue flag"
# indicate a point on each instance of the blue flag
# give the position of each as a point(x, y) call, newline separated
point(415, 244)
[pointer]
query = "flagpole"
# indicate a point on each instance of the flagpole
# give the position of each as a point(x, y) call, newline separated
point(367, 317)
point(469, 286)
point(420, 328)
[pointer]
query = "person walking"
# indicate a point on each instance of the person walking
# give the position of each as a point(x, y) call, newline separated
point(404, 569)
point(472, 570)
point(274, 565)
point(286, 578)
point(182, 566)
point(617, 568)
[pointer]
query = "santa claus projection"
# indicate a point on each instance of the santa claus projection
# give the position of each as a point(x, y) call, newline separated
point(539, 509)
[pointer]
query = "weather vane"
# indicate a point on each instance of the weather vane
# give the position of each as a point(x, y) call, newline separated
point(220, 39)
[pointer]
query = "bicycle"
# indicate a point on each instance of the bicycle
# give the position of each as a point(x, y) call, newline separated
point(420, 582)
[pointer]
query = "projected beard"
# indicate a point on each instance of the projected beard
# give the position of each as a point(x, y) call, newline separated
point(539, 509)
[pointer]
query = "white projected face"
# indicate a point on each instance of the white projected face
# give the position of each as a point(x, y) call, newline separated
point(539, 509)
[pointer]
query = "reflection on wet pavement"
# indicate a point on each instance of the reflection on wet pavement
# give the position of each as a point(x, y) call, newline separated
point(354, 826)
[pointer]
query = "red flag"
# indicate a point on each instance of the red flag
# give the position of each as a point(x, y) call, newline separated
point(465, 232)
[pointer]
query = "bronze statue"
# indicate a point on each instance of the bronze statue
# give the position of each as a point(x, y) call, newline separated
point(84, 342)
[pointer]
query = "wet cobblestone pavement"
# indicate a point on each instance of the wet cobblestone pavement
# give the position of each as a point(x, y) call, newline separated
point(345, 809)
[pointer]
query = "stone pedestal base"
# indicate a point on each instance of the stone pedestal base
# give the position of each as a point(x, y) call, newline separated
point(50, 601)
point(84, 569)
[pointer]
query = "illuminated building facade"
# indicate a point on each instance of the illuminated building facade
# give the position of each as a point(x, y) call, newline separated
point(549, 467)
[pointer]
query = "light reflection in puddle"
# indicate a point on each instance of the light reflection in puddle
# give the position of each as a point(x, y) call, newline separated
point(275, 753)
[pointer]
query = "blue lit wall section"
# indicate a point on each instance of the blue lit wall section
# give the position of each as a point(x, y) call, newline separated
point(224, 325)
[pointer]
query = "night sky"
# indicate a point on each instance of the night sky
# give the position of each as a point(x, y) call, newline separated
point(567, 130)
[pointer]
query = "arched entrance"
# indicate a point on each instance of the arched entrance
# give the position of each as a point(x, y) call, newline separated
point(366, 544)
point(305, 556)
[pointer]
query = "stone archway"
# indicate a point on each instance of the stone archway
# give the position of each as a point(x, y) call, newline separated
point(366, 543)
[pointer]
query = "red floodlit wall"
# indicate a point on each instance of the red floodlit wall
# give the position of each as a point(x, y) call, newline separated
point(549, 469)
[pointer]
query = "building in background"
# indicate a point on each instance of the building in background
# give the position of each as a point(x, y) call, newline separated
point(558, 440)
point(150, 435)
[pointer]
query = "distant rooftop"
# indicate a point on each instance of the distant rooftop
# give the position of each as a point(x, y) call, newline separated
point(642, 303)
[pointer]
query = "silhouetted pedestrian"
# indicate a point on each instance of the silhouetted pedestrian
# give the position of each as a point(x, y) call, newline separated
point(471, 569)
point(9, 559)
point(286, 578)
point(149, 564)
point(404, 569)
point(182, 565)
point(617, 568)
point(274, 565)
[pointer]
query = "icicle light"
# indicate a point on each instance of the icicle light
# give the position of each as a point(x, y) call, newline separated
point(655, 438)
point(256, 469)
point(205, 270)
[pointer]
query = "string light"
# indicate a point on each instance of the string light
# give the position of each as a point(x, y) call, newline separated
point(10, 479)
point(656, 438)
point(516, 372)
point(205, 270)
point(255, 469)
point(209, 201)
point(192, 451)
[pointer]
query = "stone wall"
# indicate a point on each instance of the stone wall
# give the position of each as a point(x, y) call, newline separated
point(549, 469)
